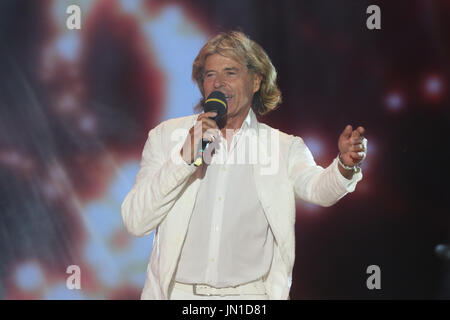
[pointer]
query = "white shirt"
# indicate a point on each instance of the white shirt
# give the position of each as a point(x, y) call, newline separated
point(229, 241)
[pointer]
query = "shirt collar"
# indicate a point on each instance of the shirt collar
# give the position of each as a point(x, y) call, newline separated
point(250, 121)
point(247, 120)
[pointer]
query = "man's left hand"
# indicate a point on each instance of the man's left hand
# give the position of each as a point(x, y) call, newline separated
point(352, 146)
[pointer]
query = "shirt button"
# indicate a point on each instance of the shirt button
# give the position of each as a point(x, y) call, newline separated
point(216, 228)
point(220, 198)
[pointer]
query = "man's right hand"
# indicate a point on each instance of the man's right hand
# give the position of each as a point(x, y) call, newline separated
point(204, 128)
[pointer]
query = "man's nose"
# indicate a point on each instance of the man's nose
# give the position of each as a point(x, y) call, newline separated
point(218, 82)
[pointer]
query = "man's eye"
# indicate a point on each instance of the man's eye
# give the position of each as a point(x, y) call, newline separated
point(231, 73)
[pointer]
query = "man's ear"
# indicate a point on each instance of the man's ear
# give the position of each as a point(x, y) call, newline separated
point(256, 82)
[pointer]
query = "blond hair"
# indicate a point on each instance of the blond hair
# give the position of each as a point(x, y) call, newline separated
point(239, 47)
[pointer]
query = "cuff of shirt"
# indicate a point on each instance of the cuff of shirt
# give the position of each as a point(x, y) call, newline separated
point(348, 184)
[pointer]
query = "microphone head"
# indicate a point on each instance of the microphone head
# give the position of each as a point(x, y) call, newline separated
point(216, 102)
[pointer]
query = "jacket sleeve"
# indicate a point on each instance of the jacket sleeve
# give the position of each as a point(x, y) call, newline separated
point(313, 183)
point(158, 184)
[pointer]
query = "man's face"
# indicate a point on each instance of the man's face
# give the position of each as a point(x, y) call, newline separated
point(233, 79)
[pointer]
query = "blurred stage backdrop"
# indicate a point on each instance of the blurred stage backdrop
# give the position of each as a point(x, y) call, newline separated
point(76, 107)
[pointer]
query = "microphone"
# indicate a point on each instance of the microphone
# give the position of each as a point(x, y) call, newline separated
point(215, 102)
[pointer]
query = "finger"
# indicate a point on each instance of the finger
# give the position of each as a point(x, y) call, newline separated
point(208, 123)
point(201, 126)
point(357, 148)
point(361, 130)
point(211, 133)
point(358, 155)
point(358, 133)
point(206, 115)
point(355, 141)
point(208, 136)
point(347, 131)
point(210, 114)
point(355, 134)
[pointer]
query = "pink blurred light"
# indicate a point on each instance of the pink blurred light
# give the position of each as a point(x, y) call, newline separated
point(87, 124)
point(303, 207)
point(55, 185)
point(433, 85)
point(48, 65)
point(433, 88)
point(15, 160)
point(394, 101)
point(120, 239)
point(67, 103)
point(315, 145)
point(50, 190)
point(11, 158)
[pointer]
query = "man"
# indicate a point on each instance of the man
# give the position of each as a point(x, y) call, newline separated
point(225, 230)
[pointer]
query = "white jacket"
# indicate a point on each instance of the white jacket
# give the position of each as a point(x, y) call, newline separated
point(165, 190)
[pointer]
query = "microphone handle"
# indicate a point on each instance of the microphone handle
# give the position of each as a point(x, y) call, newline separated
point(205, 142)
point(199, 160)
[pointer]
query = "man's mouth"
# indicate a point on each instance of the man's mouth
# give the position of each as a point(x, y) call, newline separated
point(228, 97)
